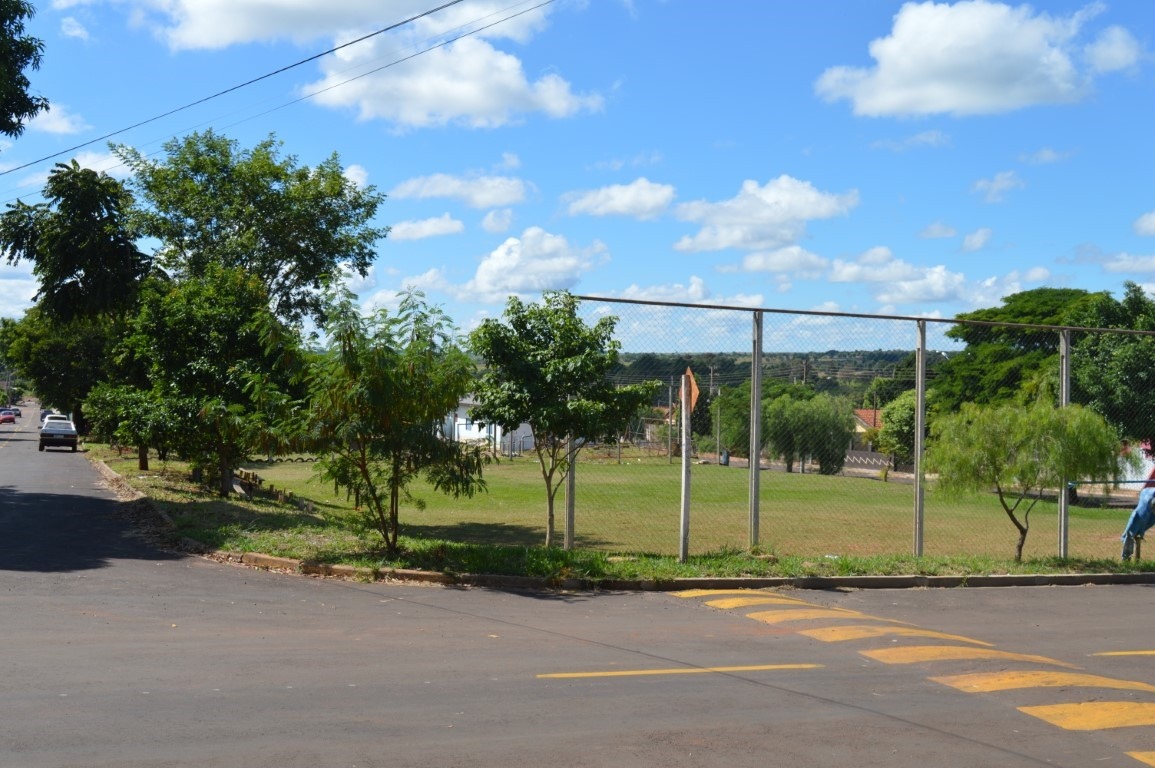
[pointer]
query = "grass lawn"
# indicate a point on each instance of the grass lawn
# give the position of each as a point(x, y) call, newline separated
point(627, 522)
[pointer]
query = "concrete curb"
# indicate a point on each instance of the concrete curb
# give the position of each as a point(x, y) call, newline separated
point(497, 581)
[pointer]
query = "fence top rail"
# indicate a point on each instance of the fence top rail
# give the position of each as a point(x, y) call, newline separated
point(828, 313)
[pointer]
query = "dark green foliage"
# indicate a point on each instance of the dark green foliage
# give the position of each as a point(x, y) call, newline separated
point(18, 53)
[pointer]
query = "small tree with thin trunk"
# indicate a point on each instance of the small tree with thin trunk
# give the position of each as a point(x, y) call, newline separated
point(377, 400)
point(544, 366)
point(1021, 453)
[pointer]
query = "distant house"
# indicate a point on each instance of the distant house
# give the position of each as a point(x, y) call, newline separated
point(459, 427)
point(865, 419)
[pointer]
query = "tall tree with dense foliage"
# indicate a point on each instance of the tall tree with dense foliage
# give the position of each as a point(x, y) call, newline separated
point(999, 359)
point(19, 53)
point(1022, 453)
point(210, 202)
point(1115, 373)
point(544, 366)
point(202, 342)
point(81, 244)
point(377, 401)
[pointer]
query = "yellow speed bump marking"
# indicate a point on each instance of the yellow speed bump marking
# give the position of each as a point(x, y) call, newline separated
point(1125, 653)
point(920, 653)
point(987, 682)
point(801, 614)
point(1144, 757)
point(718, 592)
point(1094, 715)
point(676, 671)
point(726, 603)
point(859, 632)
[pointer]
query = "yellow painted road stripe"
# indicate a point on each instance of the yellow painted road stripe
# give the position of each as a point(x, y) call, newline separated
point(727, 603)
point(986, 682)
point(678, 671)
point(1143, 757)
point(719, 592)
point(920, 653)
point(1095, 715)
point(858, 632)
point(1125, 653)
point(801, 614)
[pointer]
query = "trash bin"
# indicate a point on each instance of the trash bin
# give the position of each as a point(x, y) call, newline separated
point(724, 459)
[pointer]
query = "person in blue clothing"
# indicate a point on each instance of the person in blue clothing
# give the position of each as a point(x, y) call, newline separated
point(1142, 518)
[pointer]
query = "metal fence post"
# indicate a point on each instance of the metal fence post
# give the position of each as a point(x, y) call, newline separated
point(684, 414)
point(1064, 401)
point(570, 494)
point(755, 425)
point(919, 435)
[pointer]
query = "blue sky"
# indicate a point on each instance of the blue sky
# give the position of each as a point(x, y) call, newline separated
point(861, 156)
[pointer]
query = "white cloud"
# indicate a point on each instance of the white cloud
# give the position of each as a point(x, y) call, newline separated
point(497, 221)
point(58, 120)
point(1044, 156)
point(419, 230)
point(1113, 50)
point(1037, 275)
point(995, 189)
point(919, 140)
point(535, 262)
point(693, 292)
point(1125, 262)
point(937, 231)
point(793, 259)
point(761, 217)
point(894, 281)
point(970, 57)
point(509, 161)
point(977, 240)
point(467, 83)
point(17, 287)
point(358, 174)
point(1145, 224)
point(641, 199)
point(70, 27)
point(476, 192)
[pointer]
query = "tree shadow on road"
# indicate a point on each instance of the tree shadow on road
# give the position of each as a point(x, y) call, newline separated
point(52, 532)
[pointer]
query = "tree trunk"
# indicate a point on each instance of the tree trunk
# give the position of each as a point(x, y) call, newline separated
point(142, 457)
point(226, 478)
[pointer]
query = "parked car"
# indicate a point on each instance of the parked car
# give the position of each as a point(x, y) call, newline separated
point(7, 417)
point(58, 433)
point(54, 417)
point(16, 410)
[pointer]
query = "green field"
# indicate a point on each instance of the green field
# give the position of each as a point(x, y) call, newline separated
point(634, 507)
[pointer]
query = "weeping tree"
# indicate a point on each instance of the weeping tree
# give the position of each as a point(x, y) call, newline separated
point(378, 399)
point(1022, 453)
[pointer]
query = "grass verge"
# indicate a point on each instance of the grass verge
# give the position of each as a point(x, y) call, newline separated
point(451, 537)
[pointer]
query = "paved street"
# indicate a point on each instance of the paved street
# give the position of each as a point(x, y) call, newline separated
point(113, 653)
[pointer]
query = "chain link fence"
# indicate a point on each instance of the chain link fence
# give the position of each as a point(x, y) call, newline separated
point(840, 409)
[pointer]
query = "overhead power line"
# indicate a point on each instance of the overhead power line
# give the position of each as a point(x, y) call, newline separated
point(245, 84)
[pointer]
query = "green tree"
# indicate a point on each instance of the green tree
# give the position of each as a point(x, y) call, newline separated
point(1021, 453)
point(1115, 373)
point(62, 360)
point(544, 366)
point(896, 435)
point(201, 341)
point(18, 53)
point(209, 202)
point(377, 402)
point(818, 427)
point(80, 242)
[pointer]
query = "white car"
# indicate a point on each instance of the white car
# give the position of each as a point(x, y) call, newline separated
point(54, 417)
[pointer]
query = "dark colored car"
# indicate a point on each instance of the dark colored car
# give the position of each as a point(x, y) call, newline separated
point(58, 434)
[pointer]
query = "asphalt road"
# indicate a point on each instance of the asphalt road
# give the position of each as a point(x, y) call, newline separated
point(114, 653)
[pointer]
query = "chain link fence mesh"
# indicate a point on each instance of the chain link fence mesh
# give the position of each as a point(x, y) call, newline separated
point(837, 413)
